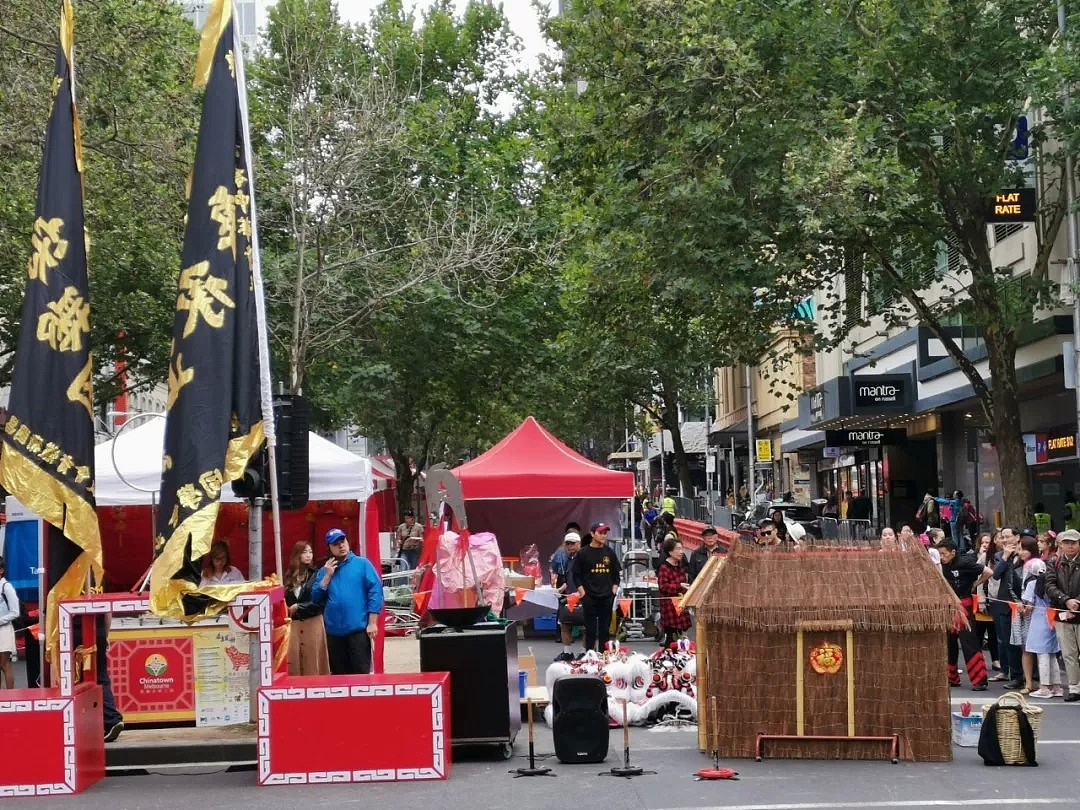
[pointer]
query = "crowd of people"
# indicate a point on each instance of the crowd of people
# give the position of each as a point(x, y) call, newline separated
point(1021, 591)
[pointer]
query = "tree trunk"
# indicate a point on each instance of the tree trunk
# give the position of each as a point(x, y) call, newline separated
point(405, 483)
point(671, 422)
point(1004, 416)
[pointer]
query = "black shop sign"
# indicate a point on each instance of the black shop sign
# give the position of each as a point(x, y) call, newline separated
point(870, 437)
point(1013, 205)
point(1060, 445)
point(881, 393)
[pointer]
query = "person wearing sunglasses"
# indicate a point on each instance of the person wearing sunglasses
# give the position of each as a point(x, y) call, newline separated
point(767, 534)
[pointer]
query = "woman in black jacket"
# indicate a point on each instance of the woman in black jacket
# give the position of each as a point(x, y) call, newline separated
point(307, 636)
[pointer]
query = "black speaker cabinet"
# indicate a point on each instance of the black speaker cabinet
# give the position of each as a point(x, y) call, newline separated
point(482, 661)
point(579, 723)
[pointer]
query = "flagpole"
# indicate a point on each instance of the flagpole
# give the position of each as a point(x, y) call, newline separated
point(266, 393)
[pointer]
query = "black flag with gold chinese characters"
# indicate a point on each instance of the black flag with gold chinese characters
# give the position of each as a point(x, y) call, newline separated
point(214, 419)
point(48, 439)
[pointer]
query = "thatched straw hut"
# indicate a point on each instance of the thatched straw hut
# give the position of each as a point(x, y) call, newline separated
point(838, 642)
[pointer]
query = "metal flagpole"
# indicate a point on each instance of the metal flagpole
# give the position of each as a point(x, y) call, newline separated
point(269, 429)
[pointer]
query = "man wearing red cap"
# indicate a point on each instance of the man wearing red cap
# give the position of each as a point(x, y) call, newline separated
point(596, 573)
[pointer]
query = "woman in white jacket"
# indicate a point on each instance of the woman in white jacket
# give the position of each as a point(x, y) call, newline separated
point(9, 612)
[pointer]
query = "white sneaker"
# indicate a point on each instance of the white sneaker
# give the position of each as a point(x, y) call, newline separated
point(1042, 692)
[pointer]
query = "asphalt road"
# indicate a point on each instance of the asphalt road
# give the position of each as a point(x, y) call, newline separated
point(481, 782)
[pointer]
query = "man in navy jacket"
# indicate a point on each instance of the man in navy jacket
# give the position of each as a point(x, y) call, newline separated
point(351, 590)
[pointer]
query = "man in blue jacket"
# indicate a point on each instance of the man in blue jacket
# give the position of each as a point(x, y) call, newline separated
point(352, 592)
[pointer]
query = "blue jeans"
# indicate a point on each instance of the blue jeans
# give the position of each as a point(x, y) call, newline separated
point(411, 558)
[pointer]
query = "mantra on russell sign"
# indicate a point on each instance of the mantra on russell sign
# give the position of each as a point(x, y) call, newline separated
point(881, 393)
point(879, 437)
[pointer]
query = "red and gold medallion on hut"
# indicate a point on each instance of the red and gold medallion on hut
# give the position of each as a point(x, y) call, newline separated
point(826, 659)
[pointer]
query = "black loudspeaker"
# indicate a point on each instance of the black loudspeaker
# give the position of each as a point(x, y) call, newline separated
point(579, 722)
point(292, 417)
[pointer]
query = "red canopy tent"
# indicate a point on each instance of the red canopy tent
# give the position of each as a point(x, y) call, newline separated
point(527, 487)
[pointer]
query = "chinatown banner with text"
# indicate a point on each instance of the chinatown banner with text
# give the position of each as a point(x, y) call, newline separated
point(48, 437)
point(214, 415)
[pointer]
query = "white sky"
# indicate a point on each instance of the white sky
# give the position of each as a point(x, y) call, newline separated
point(524, 21)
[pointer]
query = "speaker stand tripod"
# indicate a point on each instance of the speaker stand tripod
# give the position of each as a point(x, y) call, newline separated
point(626, 770)
point(532, 770)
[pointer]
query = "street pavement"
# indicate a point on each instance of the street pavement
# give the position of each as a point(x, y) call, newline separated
point(478, 780)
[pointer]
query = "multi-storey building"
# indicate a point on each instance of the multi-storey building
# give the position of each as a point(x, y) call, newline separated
point(250, 15)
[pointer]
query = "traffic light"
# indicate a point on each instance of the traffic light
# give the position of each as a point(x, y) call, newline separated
point(255, 482)
point(292, 416)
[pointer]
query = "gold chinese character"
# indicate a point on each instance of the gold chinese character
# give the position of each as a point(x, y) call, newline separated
point(56, 83)
point(81, 389)
point(50, 454)
point(178, 378)
point(198, 292)
point(230, 57)
point(82, 474)
point(11, 425)
point(65, 465)
point(240, 178)
point(166, 462)
point(22, 434)
point(49, 248)
point(159, 543)
point(189, 496)
point(242, 201)
point(175, 517)
point(36, 444)
point(223, 212)
point(244, 226)
point(67, 320)
point(211, 483)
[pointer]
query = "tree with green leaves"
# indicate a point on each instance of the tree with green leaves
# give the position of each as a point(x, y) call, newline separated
point(138, 113)
point(668, 201)
point(910, 116)
point(360, 132)
point(395, 219)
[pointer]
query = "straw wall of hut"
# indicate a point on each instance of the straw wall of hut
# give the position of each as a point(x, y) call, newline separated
point(884, 614)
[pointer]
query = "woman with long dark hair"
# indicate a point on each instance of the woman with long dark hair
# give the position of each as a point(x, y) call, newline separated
point(307, 636)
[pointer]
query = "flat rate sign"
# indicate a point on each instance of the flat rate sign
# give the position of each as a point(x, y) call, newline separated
point(1013, 205)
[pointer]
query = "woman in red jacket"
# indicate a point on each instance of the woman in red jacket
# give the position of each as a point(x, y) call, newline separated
point(672, 581)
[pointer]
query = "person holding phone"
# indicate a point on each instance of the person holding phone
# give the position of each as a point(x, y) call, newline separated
point(351, 591)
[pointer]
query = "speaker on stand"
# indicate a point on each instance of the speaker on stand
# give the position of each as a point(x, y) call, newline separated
point(579, 722)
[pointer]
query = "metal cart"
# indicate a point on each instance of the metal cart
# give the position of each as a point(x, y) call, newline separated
point(639, 585)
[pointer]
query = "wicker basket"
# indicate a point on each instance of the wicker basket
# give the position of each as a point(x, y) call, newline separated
point(1008, 726)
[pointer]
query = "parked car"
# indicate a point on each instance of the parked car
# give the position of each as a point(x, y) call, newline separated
point(794, 514)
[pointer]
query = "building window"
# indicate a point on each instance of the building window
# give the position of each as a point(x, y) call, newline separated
point(1003, 232)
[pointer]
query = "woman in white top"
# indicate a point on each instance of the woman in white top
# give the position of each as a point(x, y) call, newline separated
point(9, 612)
point(217, 569)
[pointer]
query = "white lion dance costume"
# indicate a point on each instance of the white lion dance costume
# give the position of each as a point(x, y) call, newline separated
point(654, 688)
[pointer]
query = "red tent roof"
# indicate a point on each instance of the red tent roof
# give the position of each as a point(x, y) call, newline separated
point(531, 463)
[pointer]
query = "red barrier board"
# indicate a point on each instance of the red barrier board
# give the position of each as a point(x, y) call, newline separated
point(410, 710)
point(52, 745)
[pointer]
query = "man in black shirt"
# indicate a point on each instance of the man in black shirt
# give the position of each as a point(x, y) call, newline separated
point(596, 574)
point(964, 574)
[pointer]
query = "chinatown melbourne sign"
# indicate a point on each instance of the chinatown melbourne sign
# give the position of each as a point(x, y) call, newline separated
point(879, 437)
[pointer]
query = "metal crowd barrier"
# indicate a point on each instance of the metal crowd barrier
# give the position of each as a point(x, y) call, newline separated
point(842, 532)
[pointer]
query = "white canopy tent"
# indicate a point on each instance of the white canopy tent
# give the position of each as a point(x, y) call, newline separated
point(334, 473)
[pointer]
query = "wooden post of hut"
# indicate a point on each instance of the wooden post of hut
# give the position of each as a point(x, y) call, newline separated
point(835, 653)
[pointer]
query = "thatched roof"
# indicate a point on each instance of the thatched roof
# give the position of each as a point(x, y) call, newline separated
point(774, 590)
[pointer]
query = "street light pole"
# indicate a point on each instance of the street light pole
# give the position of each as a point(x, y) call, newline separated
point(1072, 229)
point(750, 433)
